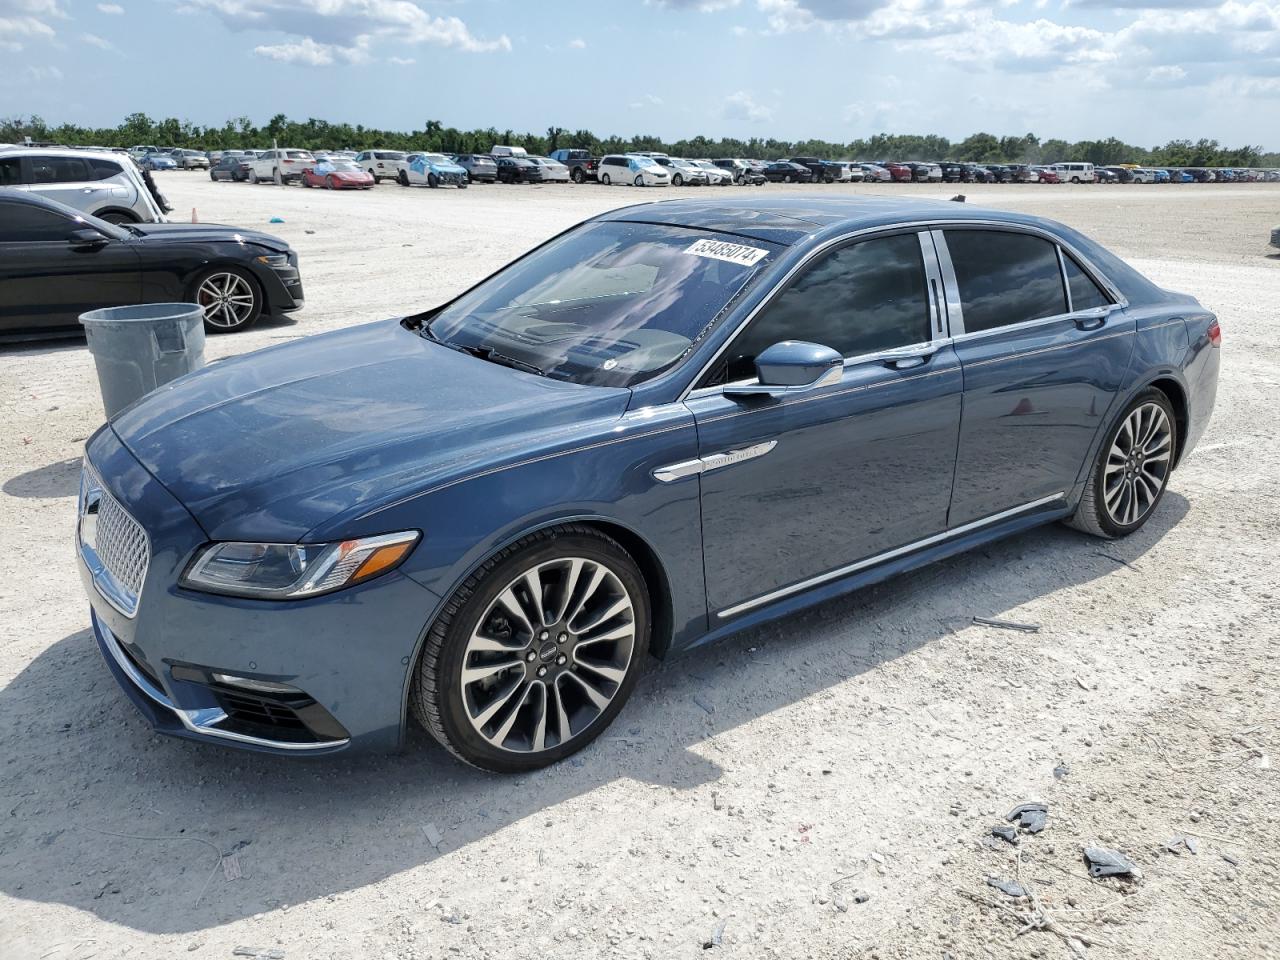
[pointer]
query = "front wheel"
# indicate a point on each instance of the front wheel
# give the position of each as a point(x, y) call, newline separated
point(253, 176)
point(1132, 469)
point(432, 180)
point(213, 176)
point(604, 179)
point(231, 298)
point(402, 178)
point(638, 181)
point(536, 652)
point(330, 183)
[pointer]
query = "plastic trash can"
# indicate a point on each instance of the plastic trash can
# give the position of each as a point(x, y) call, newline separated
point(136, 349)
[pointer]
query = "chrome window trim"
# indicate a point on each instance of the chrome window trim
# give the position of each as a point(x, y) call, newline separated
point(1062, 272)
point(934, 226)
point(879, 558)
point(196, 721)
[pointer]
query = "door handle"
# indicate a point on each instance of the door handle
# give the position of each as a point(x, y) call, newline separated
point(905, 361)
point(1090, 323)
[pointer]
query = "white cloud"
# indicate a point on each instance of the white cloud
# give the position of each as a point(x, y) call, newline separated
point(93, 40)
point(648, 100)
point(23, 20)
point(577, 43)
point(740, 105)
point(321, 32)
point(1169, 73)
point(702, 6)
point(42, 74)
point(111, 9)
point(401, 61)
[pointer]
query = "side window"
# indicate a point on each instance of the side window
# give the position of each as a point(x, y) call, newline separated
point(1085, 294)
point(25, 223)
point(103, 169)
point(10, 172)
point(1005, 278)
point(59, 170)
point(863, 298)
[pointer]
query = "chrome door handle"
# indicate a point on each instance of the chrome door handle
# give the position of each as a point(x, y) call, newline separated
point(905, 361)
point(1090, 323)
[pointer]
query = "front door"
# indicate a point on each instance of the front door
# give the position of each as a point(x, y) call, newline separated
point(1044, 350)
point(47, 282)
point(798, 487)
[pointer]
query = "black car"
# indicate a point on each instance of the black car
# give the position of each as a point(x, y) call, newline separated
point(956, 172)
point(480, 167)
point(784, 171)
point(518, 170)
point(230, 168)
point(818, 168)
point(1104, 175)
point(1122, 174)
point(1000, 173)
point(976, 173)
point(57, 263)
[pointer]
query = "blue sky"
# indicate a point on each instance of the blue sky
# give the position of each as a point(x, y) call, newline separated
point(1142, 70)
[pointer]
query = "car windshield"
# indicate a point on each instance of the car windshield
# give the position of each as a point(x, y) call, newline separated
point(610, 304)
point(644, 161)
point(437, 158)
point(343, 166)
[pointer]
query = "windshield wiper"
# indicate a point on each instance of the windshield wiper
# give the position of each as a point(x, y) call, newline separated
point(493, 356)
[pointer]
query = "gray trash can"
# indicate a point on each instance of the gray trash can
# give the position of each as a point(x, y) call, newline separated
point(136, 349)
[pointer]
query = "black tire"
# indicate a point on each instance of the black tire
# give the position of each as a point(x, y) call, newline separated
point(253, 175)
point(213, 176)
point(258, 299)
point(115, 216)
point(402, 178)
point(436, 696)
point(1092, 515)
point(577, 176)
point(604, 179)
point(677, 181)
point(432, 180)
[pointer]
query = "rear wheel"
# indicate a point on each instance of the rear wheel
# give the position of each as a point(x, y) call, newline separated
point(604, 178)
point(577, 175)
point(231, 298)
point(536, 652)
point(212, 175)
point(1132, 470)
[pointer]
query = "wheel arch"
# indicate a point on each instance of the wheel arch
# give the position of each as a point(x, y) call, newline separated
point(636, 544)
point(122, 211)
point(1177, 395)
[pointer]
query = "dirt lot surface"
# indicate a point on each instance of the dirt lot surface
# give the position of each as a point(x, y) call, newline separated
point(824, 787)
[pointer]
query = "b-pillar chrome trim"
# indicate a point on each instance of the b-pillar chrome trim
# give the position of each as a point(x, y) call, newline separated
point(886, 556)
point(690, 468)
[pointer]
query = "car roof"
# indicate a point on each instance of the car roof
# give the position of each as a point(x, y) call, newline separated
point(791, 220)
point(61, 152)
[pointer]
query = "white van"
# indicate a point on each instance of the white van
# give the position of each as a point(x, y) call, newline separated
point(1075, 172)
point(501, 151)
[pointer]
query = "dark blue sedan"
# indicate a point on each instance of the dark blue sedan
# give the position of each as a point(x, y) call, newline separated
point(669, 423)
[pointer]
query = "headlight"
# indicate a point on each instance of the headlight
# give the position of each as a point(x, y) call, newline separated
point(275, 259)
point(288, 571)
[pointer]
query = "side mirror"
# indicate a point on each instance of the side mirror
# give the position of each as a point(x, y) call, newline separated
point(792, 366)
point(86, 237)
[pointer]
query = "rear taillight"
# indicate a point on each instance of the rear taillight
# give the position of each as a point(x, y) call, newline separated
point(1215, 334)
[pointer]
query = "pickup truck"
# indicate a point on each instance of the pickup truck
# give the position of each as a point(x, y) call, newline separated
point(582, 165)
point(290, 163)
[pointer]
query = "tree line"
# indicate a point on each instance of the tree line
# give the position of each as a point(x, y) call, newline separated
point(241, 133)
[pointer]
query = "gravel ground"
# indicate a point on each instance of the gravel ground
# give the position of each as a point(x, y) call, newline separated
point(824, 787)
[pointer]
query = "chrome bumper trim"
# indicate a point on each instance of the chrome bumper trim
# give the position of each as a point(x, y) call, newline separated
point(202, 721)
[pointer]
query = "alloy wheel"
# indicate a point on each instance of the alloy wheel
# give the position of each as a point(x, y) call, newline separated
point(1137, 465)
point(227, 299)
point(548, 655)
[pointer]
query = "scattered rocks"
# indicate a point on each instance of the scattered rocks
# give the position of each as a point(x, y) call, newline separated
point(1104, 862)
point(1010, 888)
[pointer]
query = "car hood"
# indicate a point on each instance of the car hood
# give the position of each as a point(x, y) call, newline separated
point(271, 445)
point(205, 232)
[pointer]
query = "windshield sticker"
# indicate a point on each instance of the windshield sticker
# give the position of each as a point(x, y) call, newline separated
point(731, 252)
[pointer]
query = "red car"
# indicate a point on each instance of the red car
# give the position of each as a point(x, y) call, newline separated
point(900, 172)
point(1047, 175)
point(336, 175)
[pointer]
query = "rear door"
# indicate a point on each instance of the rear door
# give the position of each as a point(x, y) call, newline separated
point(799, 488)
point(46, 282)
point(1044, 348)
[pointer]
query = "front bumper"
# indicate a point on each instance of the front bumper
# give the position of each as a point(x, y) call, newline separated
point(326, 674)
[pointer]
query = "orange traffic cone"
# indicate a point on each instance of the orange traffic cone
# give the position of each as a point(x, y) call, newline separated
point(194, 218)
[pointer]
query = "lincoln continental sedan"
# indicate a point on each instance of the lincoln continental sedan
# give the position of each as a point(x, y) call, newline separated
point(667, 424)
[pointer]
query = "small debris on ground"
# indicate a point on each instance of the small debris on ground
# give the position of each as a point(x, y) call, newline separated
point(703, 704)
point(1104, 862)
point(259, 953)
point(231, 867)
point(716, 936)
point(1005, 832)
point(1061, 770)
point(1031, 816)
point(1008, 625)
point(433, 835)
point(861, 896)
point(840, 903)
point(1011, 888)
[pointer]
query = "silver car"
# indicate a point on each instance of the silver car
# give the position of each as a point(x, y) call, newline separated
point(190, 159)
point(553, 171)
point(107, 185)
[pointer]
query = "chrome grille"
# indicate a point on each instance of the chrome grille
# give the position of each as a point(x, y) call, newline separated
point(113, 545)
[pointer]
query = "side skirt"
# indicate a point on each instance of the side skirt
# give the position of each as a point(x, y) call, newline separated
point(949, 545)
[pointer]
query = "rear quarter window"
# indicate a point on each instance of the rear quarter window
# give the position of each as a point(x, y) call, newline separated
point(1005, 278)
